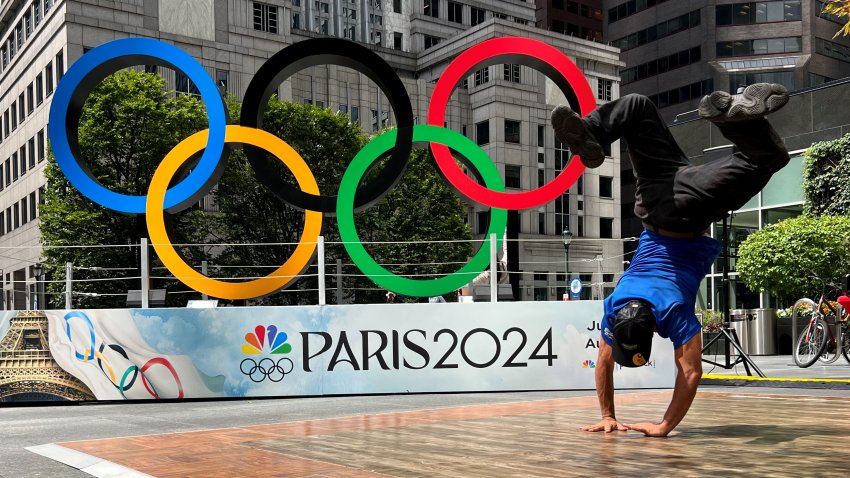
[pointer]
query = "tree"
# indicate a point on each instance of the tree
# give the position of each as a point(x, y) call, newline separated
point(781, 257)
point(826, 178)
point(419, 207)
point(839, 8)
point(129, 123)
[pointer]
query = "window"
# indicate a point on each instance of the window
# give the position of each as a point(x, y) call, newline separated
point(482, 76)
point(482, 132)
point(8, 172)
point(60, 65)
point(37, 12)
point(182, 84)
point(14, 166)
point(40, 145)
point(603, 89)
point(431, 41)
point(222, 79)
point(431, 8)
point(397, 40)
point(832, 50)
point(265, 17)
point(455, 12)
point(14, 116)
point(23, 158)
point(30, 99)
point(31, 151)
point(6, 123)
point(33, 207)
point(355, 114)
point(39, 89)
point(511, 72)
point(8, 219)
point(541, 178)
point(606, 187)
point(606, 227)
point(511, 131)
point(17, 209)
point(296, 21)
point(2, 181)
point(512, 176)
point(477, 15)
point(760, 46)
point(21, 105)
point(396, 6)
point(482, 220)
point(25, 216)
point(48, 78)
point(541, 223)
point(2, 223)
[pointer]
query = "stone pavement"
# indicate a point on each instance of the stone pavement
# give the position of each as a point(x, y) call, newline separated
point(730, 431)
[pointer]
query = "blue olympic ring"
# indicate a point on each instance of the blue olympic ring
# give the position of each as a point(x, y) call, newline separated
point(80, 315)
point(93, 67)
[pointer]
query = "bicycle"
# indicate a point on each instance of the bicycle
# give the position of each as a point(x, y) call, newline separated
point(818, 342)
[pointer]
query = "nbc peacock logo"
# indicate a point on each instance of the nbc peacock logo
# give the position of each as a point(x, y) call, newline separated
point(261, 341)
point(588, 364)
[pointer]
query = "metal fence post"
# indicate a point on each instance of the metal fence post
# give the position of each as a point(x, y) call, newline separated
point(321, 253)
point(69, 280)
point(145, 273)
point(205, 272)
point(494, 279)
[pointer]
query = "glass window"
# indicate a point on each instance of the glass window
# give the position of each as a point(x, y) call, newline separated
point(482, 132)
point(455, 12)
point(512, 176)
point(606, 227)
point(265, 17)
point(606, 187)
point(477, 15)
point(48, 78)
point(512, 131)
point(431, 8)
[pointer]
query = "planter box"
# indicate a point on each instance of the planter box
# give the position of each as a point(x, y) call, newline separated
point(717, 348)
point(783, 334)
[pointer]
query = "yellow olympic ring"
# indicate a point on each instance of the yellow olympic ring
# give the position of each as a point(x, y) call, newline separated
point(155, 217)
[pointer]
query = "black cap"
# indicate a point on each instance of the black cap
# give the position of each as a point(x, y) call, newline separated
point(633, 332)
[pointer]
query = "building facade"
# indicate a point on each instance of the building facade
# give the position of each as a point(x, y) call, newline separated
point(676, 52)
point(582, 19)
point(504, 108)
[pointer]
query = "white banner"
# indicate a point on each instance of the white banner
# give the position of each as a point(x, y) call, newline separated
point(349, 349)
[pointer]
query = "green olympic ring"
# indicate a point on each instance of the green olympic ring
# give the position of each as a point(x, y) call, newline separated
point(348, 231)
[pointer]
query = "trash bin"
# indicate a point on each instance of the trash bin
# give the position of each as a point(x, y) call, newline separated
point(762, 332)
point(740, 324)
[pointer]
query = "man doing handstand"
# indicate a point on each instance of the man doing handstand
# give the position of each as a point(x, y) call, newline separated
point(677, 202)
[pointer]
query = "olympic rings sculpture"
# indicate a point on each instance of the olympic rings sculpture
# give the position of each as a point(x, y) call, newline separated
point(106, 365)
point(84, 75)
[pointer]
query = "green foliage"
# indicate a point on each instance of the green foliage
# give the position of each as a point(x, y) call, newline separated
point(781, 257)
point(128, 124)
point(711, 320)
point(840, 8)
point(826, 178)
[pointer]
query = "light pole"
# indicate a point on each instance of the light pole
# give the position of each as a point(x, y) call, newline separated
point(568, 239)
point(37, 270)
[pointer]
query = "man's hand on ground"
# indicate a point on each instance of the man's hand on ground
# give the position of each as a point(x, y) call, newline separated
point(648, 429)
point(607, 425)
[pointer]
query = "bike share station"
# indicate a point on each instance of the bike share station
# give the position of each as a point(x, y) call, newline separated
point(143, 353)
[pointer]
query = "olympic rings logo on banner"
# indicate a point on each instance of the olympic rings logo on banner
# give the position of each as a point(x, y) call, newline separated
point(266, 368)
point(106, 366)
point(84, 75)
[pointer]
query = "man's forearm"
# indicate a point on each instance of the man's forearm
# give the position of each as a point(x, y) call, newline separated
point(605, 386)
point(683, 396)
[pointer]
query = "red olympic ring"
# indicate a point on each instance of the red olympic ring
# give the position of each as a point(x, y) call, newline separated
point(165, 363)
point(476, 57)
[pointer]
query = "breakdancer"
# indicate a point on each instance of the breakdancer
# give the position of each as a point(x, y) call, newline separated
point(677, 202)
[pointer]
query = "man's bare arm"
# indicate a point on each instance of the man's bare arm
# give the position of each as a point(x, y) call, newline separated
point(689, 364)
point(605, 391)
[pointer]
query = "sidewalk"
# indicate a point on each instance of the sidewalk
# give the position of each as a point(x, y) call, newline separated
point(780, 370)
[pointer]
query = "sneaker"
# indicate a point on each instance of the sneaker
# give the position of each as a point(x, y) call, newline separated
point(572, 131)
point(755, 101)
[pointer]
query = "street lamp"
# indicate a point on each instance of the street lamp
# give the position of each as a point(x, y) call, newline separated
point(37, 270)
point(568, 239)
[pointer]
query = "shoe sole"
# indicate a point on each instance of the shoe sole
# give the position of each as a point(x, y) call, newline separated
point(756, 101)
point(571, 131)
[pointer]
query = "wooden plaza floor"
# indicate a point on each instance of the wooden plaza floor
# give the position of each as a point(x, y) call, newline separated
point(725, 434)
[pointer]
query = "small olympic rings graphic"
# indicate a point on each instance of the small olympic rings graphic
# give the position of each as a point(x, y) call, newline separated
point(94, 66)
point(266, 368)
point(103, 353)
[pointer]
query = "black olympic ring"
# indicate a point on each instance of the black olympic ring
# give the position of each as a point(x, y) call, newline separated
point(266, 368)
point(335, 51)
point(123, 353)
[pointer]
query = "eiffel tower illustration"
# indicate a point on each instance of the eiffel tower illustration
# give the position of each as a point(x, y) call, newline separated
point(28, 372)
